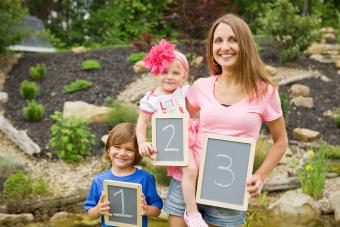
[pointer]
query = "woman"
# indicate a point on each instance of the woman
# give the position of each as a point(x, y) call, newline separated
point(233, 102)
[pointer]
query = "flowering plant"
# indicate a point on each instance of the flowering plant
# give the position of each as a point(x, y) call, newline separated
point(160, 57)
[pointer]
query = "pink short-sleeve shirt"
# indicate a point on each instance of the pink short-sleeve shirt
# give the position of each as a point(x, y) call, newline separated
point(242, 119)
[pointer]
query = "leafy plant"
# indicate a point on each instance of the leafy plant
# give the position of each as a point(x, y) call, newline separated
point(337, 121)
point(90, 65)
point(159, 172)
point(262, 148)
point(331, 152)
point(249, 218)
point(29, 90)
point(143, 41)
point(312, 174)
point(71, 138)
point(134, 57)
point(33, 111)
point(284, 104)
point(11, 14)
point(292, 37)
point(8, 166)
point(77, 85)
point(20, 186)
point(38, 71)
point(121, 112)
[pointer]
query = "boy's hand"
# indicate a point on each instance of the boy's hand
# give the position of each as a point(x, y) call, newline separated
point(103, 206)
point(144, 206)
point(147, 150)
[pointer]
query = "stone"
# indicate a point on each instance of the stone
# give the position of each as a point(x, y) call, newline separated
point(271, 70)
point(139, 67)
point(59, 216)
point(337, 64)
point(15, 219)
point(306, 135)
point(293, 205)
point(338, 72)
point(3, 97)
point(334, 200)
point(104, 138)
point(288, 152)
point(300, 90)
point(88, 112)
point(306, 102)
point(324, 78)
point(79, 50)
point(197, 62)
point(327, 30)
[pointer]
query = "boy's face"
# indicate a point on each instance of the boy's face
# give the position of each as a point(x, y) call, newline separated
point(123, 156)
point(172, 77)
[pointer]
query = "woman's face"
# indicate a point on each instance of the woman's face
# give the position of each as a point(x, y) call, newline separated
point(225, 46)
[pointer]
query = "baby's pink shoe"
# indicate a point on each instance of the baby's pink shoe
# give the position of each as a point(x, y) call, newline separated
point(195, 220)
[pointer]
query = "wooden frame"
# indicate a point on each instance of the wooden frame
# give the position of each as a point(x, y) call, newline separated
point(184, 118)
point(138, 187)
point(252, 143)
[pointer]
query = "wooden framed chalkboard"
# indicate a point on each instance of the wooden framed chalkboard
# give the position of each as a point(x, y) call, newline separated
point(226, 162)
point(170, 137)
point(125, 204)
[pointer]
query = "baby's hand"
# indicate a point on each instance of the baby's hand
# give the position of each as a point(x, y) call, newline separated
point(146, 149)
point(103, 206)
point(144, 206)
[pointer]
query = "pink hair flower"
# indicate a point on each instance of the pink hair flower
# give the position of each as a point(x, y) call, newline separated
point(160, 57)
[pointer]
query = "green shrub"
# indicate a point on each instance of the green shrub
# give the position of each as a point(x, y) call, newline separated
point(121, 112)
point(38, 71)
point(159, 172)
point(11, 13)
point(331, 152)
point(20, 186)
point(262, 148)
point(337, 121)
point(134, 57)
point(293, 36)
point(284, 104)
point(33, 111)
point(8, 166)
point(77, 85)
point(90, 65)
point(29, 90)
point(312, 175)
point(71, 138)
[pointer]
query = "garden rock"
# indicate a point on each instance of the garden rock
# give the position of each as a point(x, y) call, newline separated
point(305, 135)
point(59, 216)
point(15, 219)
point(197, 62)
point(306, 102)
point(300, 90)
point(104, 138)
point(271, 70)
point(79, 50)
point(3, 97)
point(89, 112)
point(337, 63)
point(338, 72)
point(324, 78)
point(20, 138)
point(139, 67)
point(296, 207)
point(334, 200)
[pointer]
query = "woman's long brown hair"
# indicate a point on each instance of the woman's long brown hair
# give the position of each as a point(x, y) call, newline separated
point(248, 67)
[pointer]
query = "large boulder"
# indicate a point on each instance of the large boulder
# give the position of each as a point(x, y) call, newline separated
point(296, 207)
point(334, 200)
point(306, 102)
point(306, 135)
point(88, 112)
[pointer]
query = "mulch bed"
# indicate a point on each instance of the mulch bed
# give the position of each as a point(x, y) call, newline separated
point(116, 72)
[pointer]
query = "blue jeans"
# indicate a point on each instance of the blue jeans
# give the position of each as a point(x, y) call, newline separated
point(174, 205)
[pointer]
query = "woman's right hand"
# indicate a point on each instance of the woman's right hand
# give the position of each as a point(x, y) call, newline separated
point(147, 150)
point(103, 206)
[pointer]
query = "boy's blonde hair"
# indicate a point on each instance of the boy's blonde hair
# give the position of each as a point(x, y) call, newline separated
point(120, 134)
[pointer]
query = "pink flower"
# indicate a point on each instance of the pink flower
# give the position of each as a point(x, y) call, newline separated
point(160, 57)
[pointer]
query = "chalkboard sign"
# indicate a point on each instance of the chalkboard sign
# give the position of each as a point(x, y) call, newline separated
point(226, 163)
point(170, 137)
point(124, 201)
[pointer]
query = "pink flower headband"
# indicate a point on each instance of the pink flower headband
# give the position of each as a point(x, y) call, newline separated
point(161, 56)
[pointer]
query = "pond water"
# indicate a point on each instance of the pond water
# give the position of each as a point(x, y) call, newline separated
point(261, 218)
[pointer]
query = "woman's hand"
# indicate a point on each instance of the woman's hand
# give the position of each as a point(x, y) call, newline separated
point(254, 185)
point(103, 206)
point(147, 150)
point(144, 206)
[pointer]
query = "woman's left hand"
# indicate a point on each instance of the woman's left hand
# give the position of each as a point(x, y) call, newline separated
point(254, 185)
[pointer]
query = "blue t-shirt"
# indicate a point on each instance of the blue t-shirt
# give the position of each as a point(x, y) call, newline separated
point(139, 177)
